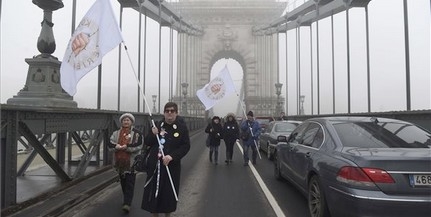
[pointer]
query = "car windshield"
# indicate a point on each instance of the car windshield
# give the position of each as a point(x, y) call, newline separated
point(382, 135)
point(262, 121)
point(285, 127)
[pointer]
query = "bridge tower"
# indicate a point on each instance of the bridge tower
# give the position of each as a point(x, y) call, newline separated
point(228, 34)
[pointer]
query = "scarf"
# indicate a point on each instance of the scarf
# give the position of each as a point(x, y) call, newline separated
point(122, 157)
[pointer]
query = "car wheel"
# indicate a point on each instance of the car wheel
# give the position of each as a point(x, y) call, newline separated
point(316, 199)
point(277, 172)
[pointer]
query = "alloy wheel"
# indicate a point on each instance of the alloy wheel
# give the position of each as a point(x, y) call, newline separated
point(316, 199)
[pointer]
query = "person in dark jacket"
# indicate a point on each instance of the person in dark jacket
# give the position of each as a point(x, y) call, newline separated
point(214, 130)
point(282, 117)
point(159, 196)
point(126, 144)
point(230, 135)
point(251, 128)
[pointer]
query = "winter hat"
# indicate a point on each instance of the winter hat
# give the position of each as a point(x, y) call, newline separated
point(229, 115)
point(130, 116)
point(216, 117)
point(250, 113)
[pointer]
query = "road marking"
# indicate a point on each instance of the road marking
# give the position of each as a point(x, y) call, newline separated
point(265, 189)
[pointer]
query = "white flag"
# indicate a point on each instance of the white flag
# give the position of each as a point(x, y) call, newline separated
point(217, 89)
point(97, 34)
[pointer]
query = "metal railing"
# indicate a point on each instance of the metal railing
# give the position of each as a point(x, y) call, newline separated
point(62, 128)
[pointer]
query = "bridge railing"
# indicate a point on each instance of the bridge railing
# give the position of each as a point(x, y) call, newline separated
point(61, 128)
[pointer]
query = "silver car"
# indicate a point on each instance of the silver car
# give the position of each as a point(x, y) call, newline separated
point(268, 137)
point(358, 166)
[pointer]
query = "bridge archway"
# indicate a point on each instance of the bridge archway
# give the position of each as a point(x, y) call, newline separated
point(232, 103)
point(230, 35)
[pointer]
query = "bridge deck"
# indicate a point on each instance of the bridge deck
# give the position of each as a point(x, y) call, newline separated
point(206, 190)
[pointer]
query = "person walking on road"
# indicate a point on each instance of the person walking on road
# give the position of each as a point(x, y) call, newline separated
point(126, 144)
point(250, 132)
point(214, 130)
point(282, 117)
point(230, 135)
point(159, 196)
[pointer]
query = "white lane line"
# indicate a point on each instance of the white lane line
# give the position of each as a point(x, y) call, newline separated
point(265, 189)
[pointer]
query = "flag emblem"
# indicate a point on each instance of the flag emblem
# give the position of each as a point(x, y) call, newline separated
point(96, 35)
point(217, 89)
point(84, 46)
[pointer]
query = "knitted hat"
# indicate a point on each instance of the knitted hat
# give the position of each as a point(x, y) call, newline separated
point(250, 113)
point(130, 116)
point(216, 117)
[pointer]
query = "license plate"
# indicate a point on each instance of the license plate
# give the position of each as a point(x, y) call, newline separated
point(420, 180)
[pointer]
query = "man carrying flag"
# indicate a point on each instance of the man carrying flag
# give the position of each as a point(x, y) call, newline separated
point(217, 89)
point(96, 35)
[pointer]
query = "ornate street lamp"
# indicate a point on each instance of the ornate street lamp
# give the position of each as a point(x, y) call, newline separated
point(302, 99)
point(154, 102)
point(278, 87)
point(184, 90)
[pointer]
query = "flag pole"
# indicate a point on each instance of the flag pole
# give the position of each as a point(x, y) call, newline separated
point(152, 121)
point(251, 131)
point(245, 115)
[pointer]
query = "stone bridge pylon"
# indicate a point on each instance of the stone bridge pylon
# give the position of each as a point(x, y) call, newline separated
point(228, 34)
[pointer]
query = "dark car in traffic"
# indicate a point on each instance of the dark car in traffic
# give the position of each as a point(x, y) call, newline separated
point(268, 137)
point(358, 166)
point(263, 121)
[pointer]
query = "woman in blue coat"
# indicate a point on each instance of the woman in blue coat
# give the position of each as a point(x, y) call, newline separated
point(250, 132)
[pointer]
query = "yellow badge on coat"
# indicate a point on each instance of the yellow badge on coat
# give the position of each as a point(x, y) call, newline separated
point(176, 134)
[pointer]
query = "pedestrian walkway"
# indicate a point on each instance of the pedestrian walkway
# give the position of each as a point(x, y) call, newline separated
point(40, 184)
point(64, 196)
point(39, 177)
point(41, 193)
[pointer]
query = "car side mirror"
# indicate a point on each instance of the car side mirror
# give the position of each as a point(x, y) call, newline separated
point(292, 137)
point(281, 139)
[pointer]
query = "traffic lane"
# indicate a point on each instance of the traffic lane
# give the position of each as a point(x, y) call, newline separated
point(205, 190)
point(291, 201)
point(219, 190)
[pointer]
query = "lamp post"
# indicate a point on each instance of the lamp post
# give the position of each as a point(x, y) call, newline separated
point(154, 102)
point(184, 90)
point(302, 99)
point(278, 87)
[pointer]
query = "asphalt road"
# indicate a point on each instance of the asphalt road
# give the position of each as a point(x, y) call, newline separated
point(210, 190)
